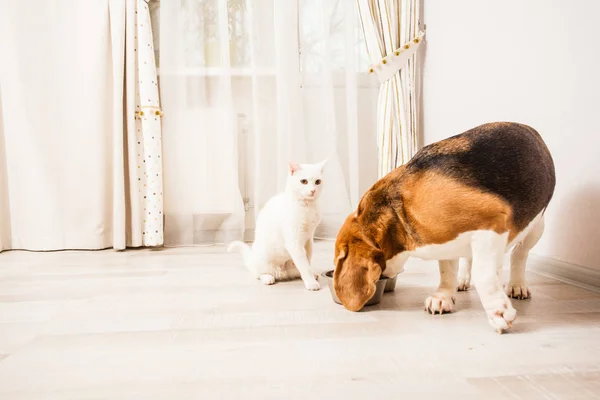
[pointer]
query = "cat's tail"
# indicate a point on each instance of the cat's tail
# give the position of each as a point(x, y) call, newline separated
point(246, 252)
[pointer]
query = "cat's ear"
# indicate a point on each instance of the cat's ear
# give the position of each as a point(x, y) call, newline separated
point(293, 167)
point(322, 164)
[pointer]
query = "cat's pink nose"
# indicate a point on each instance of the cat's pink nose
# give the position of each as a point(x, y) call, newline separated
point(312, 192)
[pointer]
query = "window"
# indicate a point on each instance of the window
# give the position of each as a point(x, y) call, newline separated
point(326, 34)
point(330, 32)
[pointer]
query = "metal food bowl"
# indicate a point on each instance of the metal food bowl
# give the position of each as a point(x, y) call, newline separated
point(390, 284)
point(383, 285)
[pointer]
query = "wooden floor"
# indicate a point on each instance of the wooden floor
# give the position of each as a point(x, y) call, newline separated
point(191, 323)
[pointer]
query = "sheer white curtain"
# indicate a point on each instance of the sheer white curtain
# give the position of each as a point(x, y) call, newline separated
point(79, 126)
point(247, 85)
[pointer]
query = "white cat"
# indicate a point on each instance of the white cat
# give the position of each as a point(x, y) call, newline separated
point(285, 228)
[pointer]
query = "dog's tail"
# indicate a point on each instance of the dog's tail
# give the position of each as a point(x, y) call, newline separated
point(246, 252)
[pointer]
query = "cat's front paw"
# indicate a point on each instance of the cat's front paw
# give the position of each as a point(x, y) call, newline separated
point(311, 284)
point(267, 279)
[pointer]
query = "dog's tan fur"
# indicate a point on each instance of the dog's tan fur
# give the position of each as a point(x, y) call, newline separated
point(418, 206)
point(422, 219)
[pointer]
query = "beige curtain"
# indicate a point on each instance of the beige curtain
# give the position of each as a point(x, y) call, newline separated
point(80, 139)
point(391, 30)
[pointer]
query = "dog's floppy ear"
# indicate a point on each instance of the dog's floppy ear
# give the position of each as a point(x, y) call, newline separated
point(364, 202)
point(341, 255)
point(354, 280)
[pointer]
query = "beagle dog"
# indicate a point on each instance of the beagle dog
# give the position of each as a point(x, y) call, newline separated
point(472, 197)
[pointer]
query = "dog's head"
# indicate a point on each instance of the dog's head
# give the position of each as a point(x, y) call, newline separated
point(358, 265)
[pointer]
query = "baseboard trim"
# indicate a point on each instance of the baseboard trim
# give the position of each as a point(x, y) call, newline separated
point(573, 274)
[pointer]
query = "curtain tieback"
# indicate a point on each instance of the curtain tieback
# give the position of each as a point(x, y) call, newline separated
point(394, 62)
point(148, 111)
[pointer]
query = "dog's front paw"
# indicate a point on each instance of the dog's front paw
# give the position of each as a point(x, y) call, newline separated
point(440, 303)
point(518, 291)
point(501, 314)
point(463, 284)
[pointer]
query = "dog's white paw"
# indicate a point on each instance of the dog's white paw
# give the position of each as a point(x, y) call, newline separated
point(518, 291)
point(440, 303)
point(311, 284)
point(501, 314)
point(463, 284)
point(267, 279)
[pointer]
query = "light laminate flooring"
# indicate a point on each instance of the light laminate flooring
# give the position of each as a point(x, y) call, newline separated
point(191, 323)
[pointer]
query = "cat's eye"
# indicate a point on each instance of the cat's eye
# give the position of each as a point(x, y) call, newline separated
point(304, 181)
point(318, 182)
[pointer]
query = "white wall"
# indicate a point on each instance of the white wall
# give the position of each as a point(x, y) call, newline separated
point(535, 62)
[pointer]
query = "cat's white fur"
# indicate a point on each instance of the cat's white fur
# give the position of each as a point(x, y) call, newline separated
point(285, 228)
